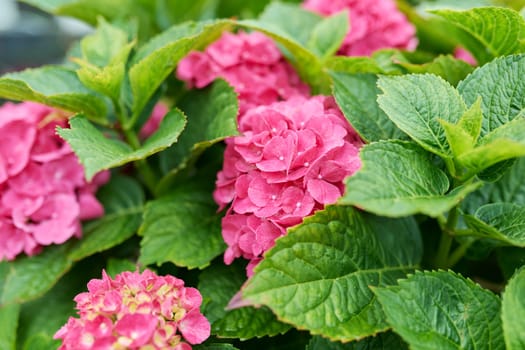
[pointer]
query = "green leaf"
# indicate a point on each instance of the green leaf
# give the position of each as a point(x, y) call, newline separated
point(463, 136)
point(328, 35)
point(351, 65)
point(158, 58)
point(116, 266)
point(123, 200)
point(513, 311)
point(399, 178)
point(504, 222)
point(449, 68)
point(299, 281)
point(356, 95)
point(509, 260)
point(97, 152)
point(286, 25)
point(218, 346)
point(183, 228)
point(54, 86)
point(504, 143)
point(501, 88)
point(218, 285)
point(382, 341)
point(416, 103)
point(212, 116)
point(442, 310)
point(487, 32)
point(104, 57)
point(9, 322)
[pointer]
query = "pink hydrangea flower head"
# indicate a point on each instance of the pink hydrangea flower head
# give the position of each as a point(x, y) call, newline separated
point(462, 54)
point(153, 122)
point(43, 192)
point(374, 25)
point(251, 63)
point(136, 311)
point(290, 160)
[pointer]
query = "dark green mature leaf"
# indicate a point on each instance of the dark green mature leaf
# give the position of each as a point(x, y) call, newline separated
point(487, 32)
point(218, 346)
point(54, 86)
point(356, 95)
point(123, 200)
point(29, 277)
point(299, 281)
point(398, 178)
point(157, 59)
point(509, 260)
point(513, 311)
point(218, 285)
point(183, 228)
point(504, 222)
point(97, 152)
point(381, 341)
point(449, 68)
point(212, 116)
point(442, 310)
point(9, 322)
point(416, 103)
point(501, 86)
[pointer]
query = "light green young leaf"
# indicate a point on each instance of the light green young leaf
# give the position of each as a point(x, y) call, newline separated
point(416, 103)
point(449, 68)
point(381, 341)
point(97, 152)
point(398, 178)
point(54, 86)
point(218, 285)
point(513, 311)
point(352, 65)
point(462, 137)
point(503, 143)
point(487, 32)
point(106, 43)
point(299, 281)
point(442, 310)
point(328, 35)
point(9, 322)
point(158, 58)
point(356, 95)
point(183, 228)
point(504, 222)
point(501, 86)
point(212, 116)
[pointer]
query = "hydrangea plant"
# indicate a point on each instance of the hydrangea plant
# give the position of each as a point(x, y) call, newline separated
point(265, 175)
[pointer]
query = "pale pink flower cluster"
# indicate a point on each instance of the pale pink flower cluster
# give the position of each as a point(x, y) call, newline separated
point(290, 160)
point(251, 63)
point(43, 192)
point(136, 311)
point(374, 25)
point(152, 124)
point(464, 55)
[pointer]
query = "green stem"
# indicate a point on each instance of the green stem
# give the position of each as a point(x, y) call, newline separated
point(146, 172)
point(447, 237)
point(458, 253)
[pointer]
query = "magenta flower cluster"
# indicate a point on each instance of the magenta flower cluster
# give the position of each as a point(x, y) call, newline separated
point(136, 311)
point(290, 160)
point(43, 192)
point(251, 63)
point(374, 25)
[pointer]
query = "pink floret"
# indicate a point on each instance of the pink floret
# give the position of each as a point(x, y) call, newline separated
point(290, 160)
point(136, 311)
point(43, 192)
point(251, 63)
point(374, 25)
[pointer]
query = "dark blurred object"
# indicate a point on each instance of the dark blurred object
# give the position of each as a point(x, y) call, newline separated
point(34, 39)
